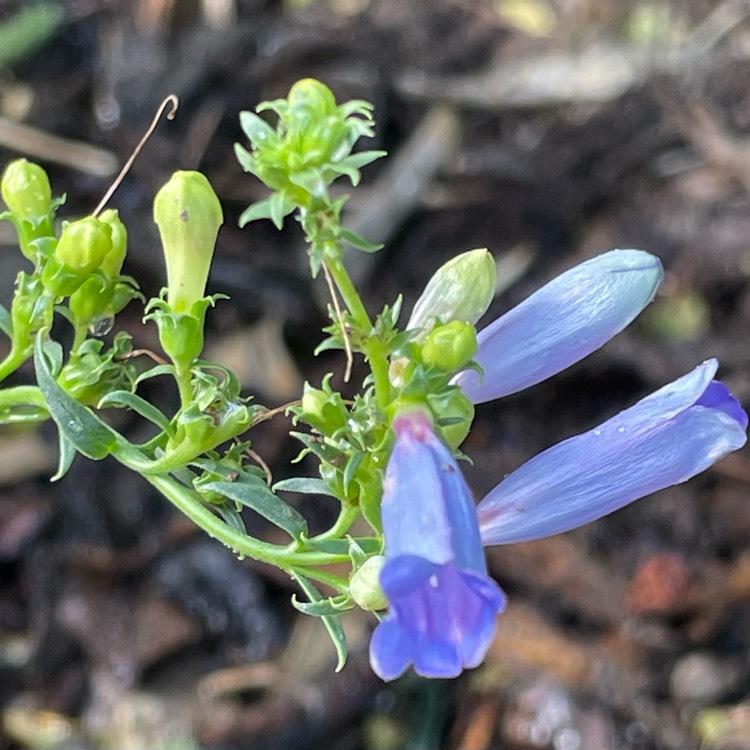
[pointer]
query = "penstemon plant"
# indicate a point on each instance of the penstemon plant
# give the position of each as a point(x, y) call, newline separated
point(387, 456)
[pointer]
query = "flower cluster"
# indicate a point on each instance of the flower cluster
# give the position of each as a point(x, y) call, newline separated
point(442, 603)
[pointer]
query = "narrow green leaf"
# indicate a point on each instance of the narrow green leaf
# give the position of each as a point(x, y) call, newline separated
point(368, 544)
point(354, 462)
point(359, 242)
point(232, 518)
point(331, 622)
point(254, 493)
point(304, 485)
point(6, 324)
point(139, 406)
point(255, 128)
point(88, 434)
point(67, 454)
point(259, 210)
point(332, 606)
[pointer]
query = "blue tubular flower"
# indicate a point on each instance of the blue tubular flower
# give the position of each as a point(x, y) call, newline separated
point(667, 438)
point(562, 323)
point(443, 605)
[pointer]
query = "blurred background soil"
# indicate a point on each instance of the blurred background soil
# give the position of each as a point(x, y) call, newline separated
point(545, 130)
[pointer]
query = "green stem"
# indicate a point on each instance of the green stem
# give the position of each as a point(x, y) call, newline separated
point(347, 516)
point(185, 386)
point(372, 346)
point(285, 558)
point(16, 357)
point(21, 397)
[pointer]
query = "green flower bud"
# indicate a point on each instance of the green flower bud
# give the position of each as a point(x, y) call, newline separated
point(26, 190)
point(454, 414)
point(311, 96)
point(364, 586)
point(84, 244)
point(188, 214)
point(461, 289)
point(88, 302)
point(451, 346)
point(111, 265)
point(324, 411)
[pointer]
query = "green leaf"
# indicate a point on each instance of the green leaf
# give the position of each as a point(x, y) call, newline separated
point(358, 242)
point(138, 405)
point(331, 622)
point(279, 207)
point(155, 372)
point(368, 544)
point(231, 518)
point(304, 485)
point(6, 324)
point(354, 462)
point(332, 606)
point(255, 128)
point(87, 433)
point(254, 493)
point(67, 454)
point(259, 210)
point(362, 159)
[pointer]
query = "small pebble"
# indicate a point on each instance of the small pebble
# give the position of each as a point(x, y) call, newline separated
point(702, 678)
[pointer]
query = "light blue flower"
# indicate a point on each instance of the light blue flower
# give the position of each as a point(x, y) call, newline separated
point(665, 439)
point(563, 322)
point(443, 605)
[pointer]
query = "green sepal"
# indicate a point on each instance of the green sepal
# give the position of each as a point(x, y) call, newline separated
point(331, 622)
point(140, 406)
point(332, 606)
point(254, 493)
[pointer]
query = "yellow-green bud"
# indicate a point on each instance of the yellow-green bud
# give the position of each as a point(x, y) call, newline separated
point(325, 412)
point(84, 244)
point(188, 214)
point(364, 586)
point(26, 190)
point(451, 346)
point(312, 95)
point(111, 265)
point(461, 289)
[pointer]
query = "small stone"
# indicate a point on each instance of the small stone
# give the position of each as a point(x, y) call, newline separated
point(702, 678)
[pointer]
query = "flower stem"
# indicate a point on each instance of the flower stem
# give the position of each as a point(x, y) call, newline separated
point(371, 345)
point(285, 558)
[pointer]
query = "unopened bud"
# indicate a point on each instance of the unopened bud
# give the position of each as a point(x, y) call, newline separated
point(26, 190)
point(364, 586)
point(461, 289)
point(189, 215)
point(111, 264)
point(84, 244)
point(450, 347)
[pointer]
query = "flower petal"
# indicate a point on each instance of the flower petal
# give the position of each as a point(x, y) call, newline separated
point(562, 323)
point(665, 439)
point(427, 508)
point(441, 619)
